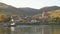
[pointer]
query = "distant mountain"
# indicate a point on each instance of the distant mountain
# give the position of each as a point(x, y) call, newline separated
point(28, 11)
point(4, 8)
point(8, 9)
point(50, 8)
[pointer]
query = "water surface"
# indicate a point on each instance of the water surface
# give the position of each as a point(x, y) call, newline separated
point(31, 29)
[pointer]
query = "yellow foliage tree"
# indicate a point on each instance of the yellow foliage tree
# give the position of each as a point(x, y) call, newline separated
point(3, 18)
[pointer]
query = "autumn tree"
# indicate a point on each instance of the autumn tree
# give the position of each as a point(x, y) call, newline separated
point(4, 18)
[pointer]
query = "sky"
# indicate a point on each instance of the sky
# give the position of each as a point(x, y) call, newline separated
point(31, 3)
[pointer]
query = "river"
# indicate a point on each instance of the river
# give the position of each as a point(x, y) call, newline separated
point(31, 29)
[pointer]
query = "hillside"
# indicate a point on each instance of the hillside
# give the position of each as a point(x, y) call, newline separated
point(54, 13)
point(48, 9)
point(7, 9)
point(10, 10)
point(28, 11)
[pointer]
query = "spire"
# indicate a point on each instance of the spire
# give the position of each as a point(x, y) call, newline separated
point(43, 14)
point(12, 19)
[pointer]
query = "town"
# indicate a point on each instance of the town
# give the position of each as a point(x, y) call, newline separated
point(43, 18)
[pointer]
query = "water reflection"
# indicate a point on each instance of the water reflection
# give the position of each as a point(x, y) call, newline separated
point(12, 30)
point(4, 30)
point(26, 29)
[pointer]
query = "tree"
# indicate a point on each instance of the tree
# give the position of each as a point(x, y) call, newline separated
point(4, 18)
point(55, 20)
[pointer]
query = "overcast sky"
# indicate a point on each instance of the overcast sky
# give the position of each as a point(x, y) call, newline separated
point(32, 3)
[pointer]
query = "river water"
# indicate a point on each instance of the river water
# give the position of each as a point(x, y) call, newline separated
point(31, 29)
